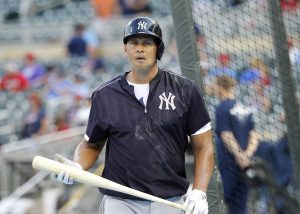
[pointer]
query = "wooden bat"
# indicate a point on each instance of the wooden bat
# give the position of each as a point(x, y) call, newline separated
point(45, 164)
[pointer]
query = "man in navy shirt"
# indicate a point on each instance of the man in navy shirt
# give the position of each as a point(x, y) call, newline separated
point(145, 117)
point(236, 144)
point(77, 46)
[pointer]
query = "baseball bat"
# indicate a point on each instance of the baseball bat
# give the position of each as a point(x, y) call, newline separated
point(85, 177)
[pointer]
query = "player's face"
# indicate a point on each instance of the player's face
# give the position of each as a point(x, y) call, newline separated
point(141, 52)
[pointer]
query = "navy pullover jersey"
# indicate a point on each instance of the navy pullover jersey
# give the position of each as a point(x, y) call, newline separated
point(146, 144)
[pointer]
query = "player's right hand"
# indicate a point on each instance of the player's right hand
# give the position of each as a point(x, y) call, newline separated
point(64, 177)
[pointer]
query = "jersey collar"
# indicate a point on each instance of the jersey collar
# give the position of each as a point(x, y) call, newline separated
point(153, 81)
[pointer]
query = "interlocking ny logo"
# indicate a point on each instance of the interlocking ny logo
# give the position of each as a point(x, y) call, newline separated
point(169, 101)
point(142, 25)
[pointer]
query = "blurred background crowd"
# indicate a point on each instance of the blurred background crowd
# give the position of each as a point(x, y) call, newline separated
point(53, 54)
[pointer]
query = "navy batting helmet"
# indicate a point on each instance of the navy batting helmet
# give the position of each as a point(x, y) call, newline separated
point(147, 26)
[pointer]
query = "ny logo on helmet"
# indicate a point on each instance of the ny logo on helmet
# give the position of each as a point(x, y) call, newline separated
point(169, 101)
point(142, 25)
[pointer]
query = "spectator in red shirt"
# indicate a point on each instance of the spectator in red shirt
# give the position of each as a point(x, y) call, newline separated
point(13, 80)
point(289, 5)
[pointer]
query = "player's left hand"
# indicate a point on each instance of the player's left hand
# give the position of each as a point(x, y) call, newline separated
point(196, 202)
point(64, 177)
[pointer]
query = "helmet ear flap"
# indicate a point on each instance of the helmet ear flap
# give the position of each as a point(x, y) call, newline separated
point(160, 50)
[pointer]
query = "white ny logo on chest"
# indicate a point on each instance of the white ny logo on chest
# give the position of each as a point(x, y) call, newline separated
point(169, 101)
point(142, 25)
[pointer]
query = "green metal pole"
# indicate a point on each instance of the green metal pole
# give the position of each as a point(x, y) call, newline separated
point(190, 67)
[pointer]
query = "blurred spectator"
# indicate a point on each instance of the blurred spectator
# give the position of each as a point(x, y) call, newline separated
point(249, 76)
point(61, 86)
point(35, 122)
point(256, 98)
point(11, 16)
point(92, 41)
point(13, 80)
point(80, 88)
point(273, 149)
point(105, 8)
point(289, 5)
point(82, 113)
point(73, 109)
point(135, 7)
point(204, 68)
point(94, 64)
point(263, 70)
point(50, 77)
point(223, 68)
point(78, 113)
point(236, 144)
point(60, 121)
point(294, 53)
point(199, 35)
point(77, 46)
point(33, 71)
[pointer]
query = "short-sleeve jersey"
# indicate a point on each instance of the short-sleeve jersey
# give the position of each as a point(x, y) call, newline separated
point(146, 144)
point(234, 117)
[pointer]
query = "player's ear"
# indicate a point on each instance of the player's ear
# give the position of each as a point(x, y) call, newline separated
point(125, 48)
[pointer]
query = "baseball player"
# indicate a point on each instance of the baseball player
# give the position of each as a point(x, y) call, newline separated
point(145, 117)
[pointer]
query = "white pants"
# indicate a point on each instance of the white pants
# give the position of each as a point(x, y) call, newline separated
point(115, 205)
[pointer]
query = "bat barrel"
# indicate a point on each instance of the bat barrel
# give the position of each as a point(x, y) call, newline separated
point(41, 163)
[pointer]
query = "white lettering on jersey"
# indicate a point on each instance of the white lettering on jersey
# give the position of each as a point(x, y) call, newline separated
point(169, 101)
point(240, 111)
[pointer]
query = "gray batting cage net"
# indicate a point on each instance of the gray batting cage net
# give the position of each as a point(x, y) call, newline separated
point(249, 57)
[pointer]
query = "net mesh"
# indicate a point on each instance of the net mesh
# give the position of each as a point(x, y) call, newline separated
point(234, 39)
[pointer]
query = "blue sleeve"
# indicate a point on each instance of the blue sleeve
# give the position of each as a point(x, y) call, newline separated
point(96, 130)
point(197, 114)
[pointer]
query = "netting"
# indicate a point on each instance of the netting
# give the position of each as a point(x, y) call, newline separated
point(243, 92)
